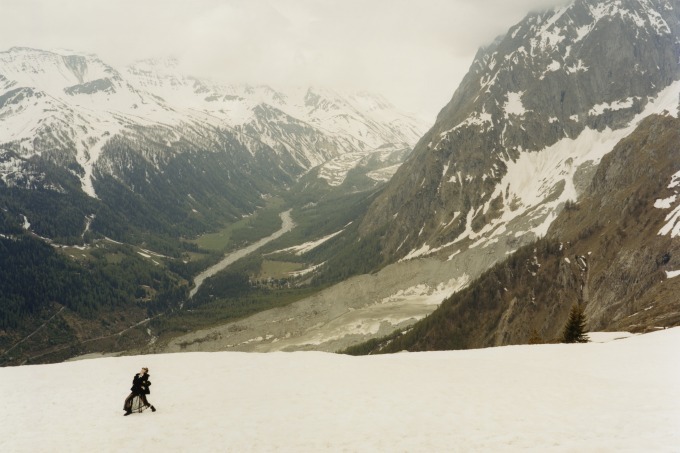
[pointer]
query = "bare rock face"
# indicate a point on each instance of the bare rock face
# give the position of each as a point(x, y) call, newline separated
point(557, 77)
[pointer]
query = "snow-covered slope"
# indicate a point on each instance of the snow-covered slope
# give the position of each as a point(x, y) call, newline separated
point(672, 227)
point(65, 107)
point(366, 119)
point(620, 395)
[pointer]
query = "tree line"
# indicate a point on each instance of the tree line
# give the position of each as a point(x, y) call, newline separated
point(33, 275)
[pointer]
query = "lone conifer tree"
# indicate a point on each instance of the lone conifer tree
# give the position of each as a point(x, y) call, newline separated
point(575, 329)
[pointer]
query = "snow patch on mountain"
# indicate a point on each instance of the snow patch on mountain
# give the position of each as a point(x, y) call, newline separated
point(599, 109)
point(434, 295)
point(672, 226)
point(384, 174)
point(513, 105)
point(311, 245)
point(548, 174)
point(579, 66)
point(335, 170)
point(306, 271)
point(534, 176)
point(424, 250)
point(480, 120)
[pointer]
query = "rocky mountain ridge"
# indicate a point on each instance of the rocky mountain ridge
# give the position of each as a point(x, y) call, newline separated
point(523, 132)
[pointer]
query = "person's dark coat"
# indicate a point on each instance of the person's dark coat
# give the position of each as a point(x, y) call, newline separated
point(140, 384)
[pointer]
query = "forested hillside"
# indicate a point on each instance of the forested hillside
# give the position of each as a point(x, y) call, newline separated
point(102, 291)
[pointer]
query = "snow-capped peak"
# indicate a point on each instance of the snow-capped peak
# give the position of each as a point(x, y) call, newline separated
point(51, 71)
point(83, 102)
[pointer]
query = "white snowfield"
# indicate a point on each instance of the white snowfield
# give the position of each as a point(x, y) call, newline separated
point(622, 395)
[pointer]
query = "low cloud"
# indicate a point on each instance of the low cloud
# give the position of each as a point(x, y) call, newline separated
point(415, 53)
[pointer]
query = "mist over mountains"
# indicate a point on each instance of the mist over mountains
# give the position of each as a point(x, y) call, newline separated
point(144, 156)
point(174, 146)
point(78, 101)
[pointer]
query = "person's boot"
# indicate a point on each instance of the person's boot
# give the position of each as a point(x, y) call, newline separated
point(127, 412)
point(153, 409)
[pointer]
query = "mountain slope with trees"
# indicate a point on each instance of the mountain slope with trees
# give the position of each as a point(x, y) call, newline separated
point(110, 177)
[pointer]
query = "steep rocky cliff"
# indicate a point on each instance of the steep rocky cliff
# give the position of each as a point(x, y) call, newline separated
point(528, 124)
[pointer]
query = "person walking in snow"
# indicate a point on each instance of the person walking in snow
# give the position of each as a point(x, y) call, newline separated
point(140, 388)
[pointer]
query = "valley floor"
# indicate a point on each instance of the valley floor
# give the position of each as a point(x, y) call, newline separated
point(620, 395)
point(350, 312)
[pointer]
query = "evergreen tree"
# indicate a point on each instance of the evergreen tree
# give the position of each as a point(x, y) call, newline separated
point(575, 329)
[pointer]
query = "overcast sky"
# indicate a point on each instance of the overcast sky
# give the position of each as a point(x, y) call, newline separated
point(415, 52)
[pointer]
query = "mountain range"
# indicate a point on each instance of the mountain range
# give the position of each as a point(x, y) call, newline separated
point(521, 140)
point(119, 170)
point(548, 179)
point(124, 132)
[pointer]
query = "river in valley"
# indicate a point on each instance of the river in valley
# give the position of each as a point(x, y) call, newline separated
point(232, 257)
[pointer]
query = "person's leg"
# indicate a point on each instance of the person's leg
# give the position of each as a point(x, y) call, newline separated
point(146, 403)
point(127, 406)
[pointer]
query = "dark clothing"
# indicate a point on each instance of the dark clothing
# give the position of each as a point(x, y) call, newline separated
point(140, 384)
point(127, 406)
point(140, 388)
